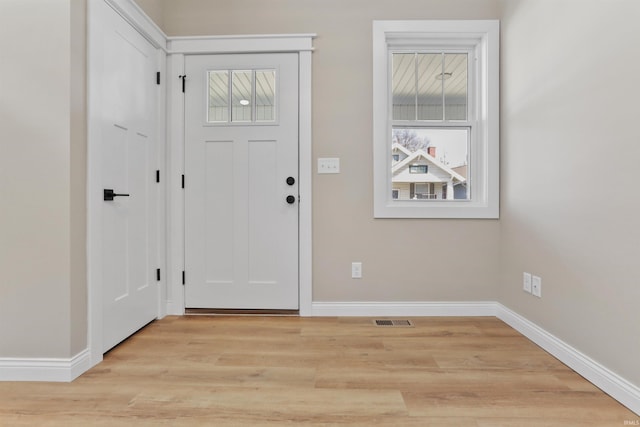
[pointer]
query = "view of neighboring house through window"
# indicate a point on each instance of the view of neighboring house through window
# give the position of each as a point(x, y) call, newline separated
point(434, 157)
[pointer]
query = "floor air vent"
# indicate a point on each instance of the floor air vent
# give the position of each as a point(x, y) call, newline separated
point(393, 323)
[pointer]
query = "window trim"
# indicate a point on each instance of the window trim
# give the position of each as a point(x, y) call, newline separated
point(484, 150)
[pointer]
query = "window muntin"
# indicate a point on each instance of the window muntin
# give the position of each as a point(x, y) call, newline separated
point(241, 96)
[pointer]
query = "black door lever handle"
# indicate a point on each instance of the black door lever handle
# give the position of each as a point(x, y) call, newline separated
point(109, 194)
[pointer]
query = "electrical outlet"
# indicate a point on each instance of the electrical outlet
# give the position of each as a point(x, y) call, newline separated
point(526, 282)
point(536, 286)
point(356, 270)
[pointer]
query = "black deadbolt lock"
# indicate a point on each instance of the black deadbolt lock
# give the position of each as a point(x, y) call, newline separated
point(291, 200)
point(291, 180)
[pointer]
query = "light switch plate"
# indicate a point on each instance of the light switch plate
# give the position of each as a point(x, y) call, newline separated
point(329, 165)
point(356, 270)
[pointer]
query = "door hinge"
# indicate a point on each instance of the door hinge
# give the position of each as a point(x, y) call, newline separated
point(183, 77)
point(183, 280)
point(158, 78)
point(182, 180)
point(158, 274)
point(157, 175)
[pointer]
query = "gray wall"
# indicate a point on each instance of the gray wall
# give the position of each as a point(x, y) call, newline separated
point(570, 151)
point(78, 177)
point(154, 10)
point(42, 214)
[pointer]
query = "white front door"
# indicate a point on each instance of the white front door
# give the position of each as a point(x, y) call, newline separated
point(241, 181)
point(125, 84)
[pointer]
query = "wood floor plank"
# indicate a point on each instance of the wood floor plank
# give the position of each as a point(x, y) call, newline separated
point(494, 359)
point(549, 422)
point(438, 380)
point(538, 405)
point(308, 402)
point(269, 371)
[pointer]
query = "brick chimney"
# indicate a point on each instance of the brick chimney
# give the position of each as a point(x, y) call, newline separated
point(431, 151)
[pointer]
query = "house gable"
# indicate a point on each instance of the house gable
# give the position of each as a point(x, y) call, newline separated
point(401, 151)
point(436, 171)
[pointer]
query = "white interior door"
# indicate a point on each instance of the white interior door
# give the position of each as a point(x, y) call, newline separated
point(241, 186)
point(128, 92)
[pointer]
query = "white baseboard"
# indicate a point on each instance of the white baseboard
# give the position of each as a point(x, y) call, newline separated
point(611, 383)
point(369, 308)
point(40, 369)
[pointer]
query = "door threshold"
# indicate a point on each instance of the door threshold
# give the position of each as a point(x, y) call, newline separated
point(238, 312)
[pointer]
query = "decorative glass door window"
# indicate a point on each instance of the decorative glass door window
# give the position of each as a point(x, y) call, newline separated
point(241, 96)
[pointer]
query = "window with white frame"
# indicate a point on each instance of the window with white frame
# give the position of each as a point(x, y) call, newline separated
point(436, 119)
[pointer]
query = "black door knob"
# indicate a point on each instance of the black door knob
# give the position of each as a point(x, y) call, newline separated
point(291, 180)
point(109, 194)
point(291, 200)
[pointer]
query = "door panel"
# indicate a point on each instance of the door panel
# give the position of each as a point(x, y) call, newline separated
point(127, 149)
point(219, 222)
point(263, 212)
point(241, 235)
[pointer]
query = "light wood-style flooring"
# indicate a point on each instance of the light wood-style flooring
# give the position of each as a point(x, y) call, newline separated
point(291, 371)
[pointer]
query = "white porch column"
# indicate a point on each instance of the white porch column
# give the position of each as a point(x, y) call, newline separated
point(450, 189)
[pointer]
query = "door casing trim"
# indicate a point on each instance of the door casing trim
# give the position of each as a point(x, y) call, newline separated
point(178, 48)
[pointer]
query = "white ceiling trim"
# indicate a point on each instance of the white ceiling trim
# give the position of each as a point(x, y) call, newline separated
point(241, 43)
